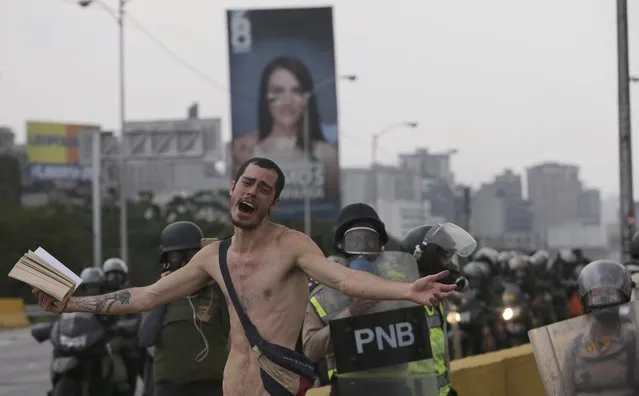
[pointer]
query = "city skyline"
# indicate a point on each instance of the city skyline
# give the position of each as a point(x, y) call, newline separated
point(608, 204)
point(519, 98)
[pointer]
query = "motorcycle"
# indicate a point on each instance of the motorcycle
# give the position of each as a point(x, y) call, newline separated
point(82, 363)
point(515, 315)
point(542, 306)
point(467, 312)
point(147, 376)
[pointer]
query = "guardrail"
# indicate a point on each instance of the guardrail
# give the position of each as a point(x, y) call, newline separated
point(12, 313)
point(509, 372)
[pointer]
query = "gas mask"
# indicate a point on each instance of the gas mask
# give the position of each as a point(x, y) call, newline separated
point(115, 280)
point(362, 243)
point(175, 260)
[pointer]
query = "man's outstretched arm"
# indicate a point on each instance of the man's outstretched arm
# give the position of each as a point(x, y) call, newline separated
point(361, 284)
point(178, 284)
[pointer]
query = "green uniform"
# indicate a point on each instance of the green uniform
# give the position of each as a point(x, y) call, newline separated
point(126, 355)
point(180, 342)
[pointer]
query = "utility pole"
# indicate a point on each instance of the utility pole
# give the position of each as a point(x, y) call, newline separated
point(124, 230)
point(96, 186)
point(309, 165)
point(374, 164)
point(307, 146)
point(626, 199)
point(118, 15)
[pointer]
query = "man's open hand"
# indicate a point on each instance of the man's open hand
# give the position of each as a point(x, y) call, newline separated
point(427, 290)
point(49, 303)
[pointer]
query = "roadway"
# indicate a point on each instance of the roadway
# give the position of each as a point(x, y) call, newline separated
point(24, 364)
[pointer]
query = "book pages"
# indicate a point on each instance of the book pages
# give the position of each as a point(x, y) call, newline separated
point(39, 281)
point(35, 262)
point(46, 256)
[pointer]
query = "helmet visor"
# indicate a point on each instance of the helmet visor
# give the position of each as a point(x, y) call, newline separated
point(361, 240)
point(115, 279)
point(451, 237)
point(176, 259)
point(603, 297)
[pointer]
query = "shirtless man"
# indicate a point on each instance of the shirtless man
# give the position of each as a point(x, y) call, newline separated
point(269, 266)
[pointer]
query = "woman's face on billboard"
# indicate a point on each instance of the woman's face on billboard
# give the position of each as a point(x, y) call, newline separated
point(286, 99)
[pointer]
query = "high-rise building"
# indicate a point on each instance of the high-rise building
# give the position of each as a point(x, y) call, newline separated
point(499, 209)
point(398, 196)
point(553, 190)
point(509, 184)
point(429, 165)
point(589, 207)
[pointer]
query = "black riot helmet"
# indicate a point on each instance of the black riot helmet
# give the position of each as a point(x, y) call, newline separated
point(476, 272)
point(539, 261)
point(359, 230)
point(434, 246)
point(604, 283)
point(634, 246)
point(93, 282)
point(179, 242)
point(116, 273)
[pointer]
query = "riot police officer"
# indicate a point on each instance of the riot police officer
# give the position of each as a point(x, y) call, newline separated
point(93, 282)
point(125, 348)
point(435, 247)
point(359, 235)
point(633, 266)
point(603, 358)
point(190, 335)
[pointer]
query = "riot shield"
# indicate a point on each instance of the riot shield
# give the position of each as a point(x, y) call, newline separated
point(393, 265)
point(332, 302)
point(396, 266)
point(593, 354)
point(385, 350)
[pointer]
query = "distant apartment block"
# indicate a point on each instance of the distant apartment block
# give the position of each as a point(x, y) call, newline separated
point(558, 198)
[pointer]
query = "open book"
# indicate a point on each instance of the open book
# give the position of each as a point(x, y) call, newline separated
point(41, 270)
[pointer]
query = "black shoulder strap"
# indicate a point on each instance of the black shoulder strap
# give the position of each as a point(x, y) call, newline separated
point(251, 331)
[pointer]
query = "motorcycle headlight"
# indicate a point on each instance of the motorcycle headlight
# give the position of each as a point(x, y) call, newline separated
point(453, 317)
point(510, 313)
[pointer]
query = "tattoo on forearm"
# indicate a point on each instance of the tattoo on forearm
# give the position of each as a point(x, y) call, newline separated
point(104, 303)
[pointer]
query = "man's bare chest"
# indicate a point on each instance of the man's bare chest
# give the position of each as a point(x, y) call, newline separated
point(256, 279)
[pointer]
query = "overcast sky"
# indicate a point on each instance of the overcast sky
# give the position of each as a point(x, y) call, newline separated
point(508, 83)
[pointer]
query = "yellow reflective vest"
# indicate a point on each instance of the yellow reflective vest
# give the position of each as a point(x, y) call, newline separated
point(438, 342)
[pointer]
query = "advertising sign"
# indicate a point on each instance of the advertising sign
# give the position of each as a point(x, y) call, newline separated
point(53, 151)
point(282, 80)
point(172, 139)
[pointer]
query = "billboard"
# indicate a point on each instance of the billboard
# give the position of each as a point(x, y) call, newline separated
point(53, 151)
point(171, 139)
point(282, 82)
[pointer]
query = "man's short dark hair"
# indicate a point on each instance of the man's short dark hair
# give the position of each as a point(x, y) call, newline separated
point(264, 163)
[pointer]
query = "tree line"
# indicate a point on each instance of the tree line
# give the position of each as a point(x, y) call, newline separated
point(66, 232)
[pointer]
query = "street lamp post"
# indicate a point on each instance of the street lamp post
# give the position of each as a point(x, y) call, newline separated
point(626, 199)
point(119, 17)
point(376, 136)
point(307, 146)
